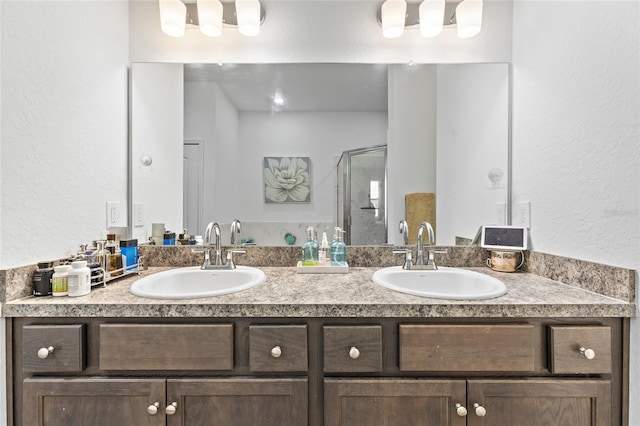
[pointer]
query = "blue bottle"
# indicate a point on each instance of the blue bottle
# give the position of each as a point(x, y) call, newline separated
point(310, 250)
point(338, 249)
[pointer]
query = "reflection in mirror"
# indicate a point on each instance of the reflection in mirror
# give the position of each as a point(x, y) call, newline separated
point(445, 128)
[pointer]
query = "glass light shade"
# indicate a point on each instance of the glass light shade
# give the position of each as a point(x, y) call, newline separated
point(210, 17)
point(469, 18)
point(393, 15)
point(248, 14)
point(173, 17)
point(431, 17)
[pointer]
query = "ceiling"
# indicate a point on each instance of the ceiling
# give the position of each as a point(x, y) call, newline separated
point(304, 87)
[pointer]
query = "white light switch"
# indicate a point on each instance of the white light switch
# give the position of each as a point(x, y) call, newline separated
point(138, 214)
point(113, 214)
point(501, 213)
point(522, 214)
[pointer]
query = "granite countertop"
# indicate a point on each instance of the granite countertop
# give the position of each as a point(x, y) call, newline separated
point(288, 294)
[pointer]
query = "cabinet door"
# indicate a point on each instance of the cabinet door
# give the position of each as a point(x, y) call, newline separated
point(390, 402)
point(238, 402)
point(95, 402)
point(540, 402)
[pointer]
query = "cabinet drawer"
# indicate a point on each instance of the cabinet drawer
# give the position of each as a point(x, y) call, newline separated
point(53, 348)
point(571, 348)
point(166, 347)
point(278, 348)
point(467, 348)
point(352, 348)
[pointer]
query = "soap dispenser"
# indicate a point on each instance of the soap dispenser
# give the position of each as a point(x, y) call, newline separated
point(310, 250)
point(338, 249)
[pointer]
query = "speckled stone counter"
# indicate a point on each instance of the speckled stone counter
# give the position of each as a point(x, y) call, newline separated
point(287, 294)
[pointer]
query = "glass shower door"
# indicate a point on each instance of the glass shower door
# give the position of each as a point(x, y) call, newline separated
point(364, 193)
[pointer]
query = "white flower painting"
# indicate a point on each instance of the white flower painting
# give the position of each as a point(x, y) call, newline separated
point(286, 180)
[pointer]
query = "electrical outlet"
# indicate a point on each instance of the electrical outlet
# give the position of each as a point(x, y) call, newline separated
point(138, 214)
point(501, 213)
point(522, 214)
point(113, 214)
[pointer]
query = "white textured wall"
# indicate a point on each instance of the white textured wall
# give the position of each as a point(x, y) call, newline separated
point(411, 150)
point(157, 93)
point(473, 133)
point(64, 138)
point(576, 136)
point(63, 128)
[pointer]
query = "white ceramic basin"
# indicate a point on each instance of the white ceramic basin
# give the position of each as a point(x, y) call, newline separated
point(443, 283)
point(193, 282)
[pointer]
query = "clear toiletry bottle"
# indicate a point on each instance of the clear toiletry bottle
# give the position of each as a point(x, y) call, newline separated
point(310, 250)
point(323, 254)
point(338, 249)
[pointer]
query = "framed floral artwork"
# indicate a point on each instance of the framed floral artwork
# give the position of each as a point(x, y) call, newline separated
point(287, 180)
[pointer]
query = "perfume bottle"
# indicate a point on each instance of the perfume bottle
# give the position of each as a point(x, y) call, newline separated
point(310, 250)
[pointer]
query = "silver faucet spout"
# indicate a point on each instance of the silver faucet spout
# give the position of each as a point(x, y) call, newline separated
point(236, 228)
point(404, 230)
point(420, 255)
point(215, 228)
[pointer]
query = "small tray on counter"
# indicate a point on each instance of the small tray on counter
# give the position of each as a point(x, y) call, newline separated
point(321, 269)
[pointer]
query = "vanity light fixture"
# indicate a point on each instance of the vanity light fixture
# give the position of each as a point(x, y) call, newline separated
point(431, 16)
point(469, 17)
point(248, 13)
point(393, 13)
point(173, 15)
point(211, 17)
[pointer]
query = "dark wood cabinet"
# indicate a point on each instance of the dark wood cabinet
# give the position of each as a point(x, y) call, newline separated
point(540, 402)
point(383, 402)
point(238, 402)
point(317, 371)
point(93, 401)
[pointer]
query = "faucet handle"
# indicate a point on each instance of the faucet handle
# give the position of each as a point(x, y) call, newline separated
point(230, 263)
point(207, 258)
point(408, 259)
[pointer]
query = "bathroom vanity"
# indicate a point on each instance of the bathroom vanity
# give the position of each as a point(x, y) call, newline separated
point(321, 350)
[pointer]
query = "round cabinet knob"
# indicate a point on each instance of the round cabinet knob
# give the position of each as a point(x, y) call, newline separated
point(588, 353)
point(276, 352)
point(354, 353)
point(480, 410)
point(43, 353)
point(460, 410)
point(153, 408)
point(171, 409)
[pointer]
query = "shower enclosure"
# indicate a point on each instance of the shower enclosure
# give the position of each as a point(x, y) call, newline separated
point(361, 195)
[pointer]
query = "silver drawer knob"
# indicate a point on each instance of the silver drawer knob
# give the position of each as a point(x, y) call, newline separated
point(480, 410)
point(153, 408)
point(354, 353)
point(276, 352)
point(171, 409)
point(460, 410)
point(587, 353)
point(43, 353)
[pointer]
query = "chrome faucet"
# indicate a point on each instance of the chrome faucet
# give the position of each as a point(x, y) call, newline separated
point(431, 264)
point(236, 228)
point(404, 230)
point(217, 264)
point(207, 240)
point(420, 262)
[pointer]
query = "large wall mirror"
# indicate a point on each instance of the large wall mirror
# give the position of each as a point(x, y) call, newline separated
point(266, 143)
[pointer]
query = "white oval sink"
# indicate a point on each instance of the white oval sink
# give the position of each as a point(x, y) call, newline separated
point(194, 282)
point(443, 283)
